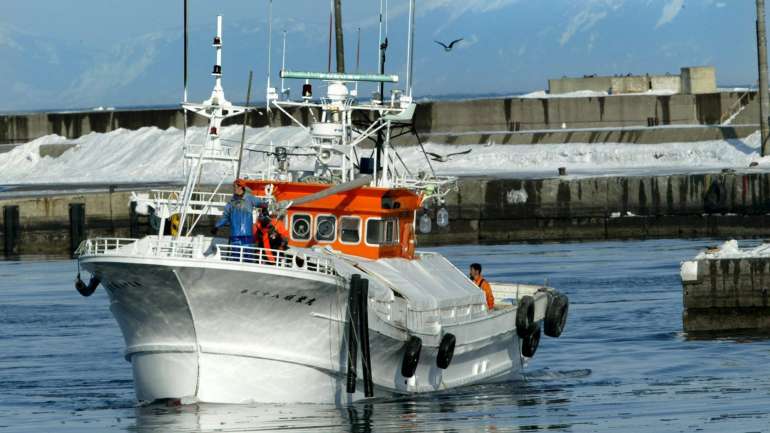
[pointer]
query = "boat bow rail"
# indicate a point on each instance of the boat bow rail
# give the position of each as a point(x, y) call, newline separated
point(200, 248)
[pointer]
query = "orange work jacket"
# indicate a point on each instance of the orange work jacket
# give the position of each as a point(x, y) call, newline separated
point(484, 285)
point(270, 239)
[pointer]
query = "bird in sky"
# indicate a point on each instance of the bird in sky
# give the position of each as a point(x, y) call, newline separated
point(449, 47)
point(444, 158)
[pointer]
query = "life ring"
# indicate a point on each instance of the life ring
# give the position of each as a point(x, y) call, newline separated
point(530, 342)
point(411, 356)
point(446, 351)
point(556, 315)
point(407, 242)
point(525, 316)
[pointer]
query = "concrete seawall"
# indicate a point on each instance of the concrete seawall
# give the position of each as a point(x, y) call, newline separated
point(559, 209)
point(486, 210)
point(727, 295)
point(509, 120)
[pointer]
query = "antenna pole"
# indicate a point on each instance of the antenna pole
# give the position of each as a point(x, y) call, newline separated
point(410, 59)
point(340, 40)
point(243, 131)
point(269, 49)
point(283, 62)
point(329, 62)
point(186, 49)
point(185, 25)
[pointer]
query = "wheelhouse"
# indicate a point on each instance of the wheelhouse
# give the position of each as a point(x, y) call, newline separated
point(366, 222)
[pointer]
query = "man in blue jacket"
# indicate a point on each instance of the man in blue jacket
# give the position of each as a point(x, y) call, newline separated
point(238, 215)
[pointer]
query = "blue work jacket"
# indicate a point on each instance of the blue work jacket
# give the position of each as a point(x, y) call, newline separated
point(239, 215)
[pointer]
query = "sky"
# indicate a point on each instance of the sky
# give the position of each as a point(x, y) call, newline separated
point(83, 54)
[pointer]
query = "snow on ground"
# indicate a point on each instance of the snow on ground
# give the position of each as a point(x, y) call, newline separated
point(154, 155)
point(595, 159)
point(591, 93)
point(125, 156)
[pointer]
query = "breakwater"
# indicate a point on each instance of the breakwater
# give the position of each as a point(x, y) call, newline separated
point(642, 118)
point(483, 210)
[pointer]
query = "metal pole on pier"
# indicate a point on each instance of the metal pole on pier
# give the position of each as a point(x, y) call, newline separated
point(764, 106)
point(339, 36)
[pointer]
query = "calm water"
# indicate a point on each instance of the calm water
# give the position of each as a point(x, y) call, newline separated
point(622, 365)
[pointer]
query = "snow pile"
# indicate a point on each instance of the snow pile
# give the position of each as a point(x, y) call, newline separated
point(592, 159)
point(155, 155)
point(591, 94)
point(731, 250)
point(124, 156)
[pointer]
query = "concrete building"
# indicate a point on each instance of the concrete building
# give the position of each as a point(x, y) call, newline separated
point(692, 80)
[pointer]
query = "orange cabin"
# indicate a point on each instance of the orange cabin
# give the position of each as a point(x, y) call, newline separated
point(365, 222)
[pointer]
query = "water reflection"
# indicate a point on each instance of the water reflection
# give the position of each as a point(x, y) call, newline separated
point(520, 406)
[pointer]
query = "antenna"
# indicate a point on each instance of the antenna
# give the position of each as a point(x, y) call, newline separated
point(283, 63)
point(358, 57)
point(410, 58)
point(186, 50)
point(329, 62)
point(269, 50)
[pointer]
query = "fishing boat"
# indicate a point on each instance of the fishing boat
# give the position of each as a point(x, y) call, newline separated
point(350, 310)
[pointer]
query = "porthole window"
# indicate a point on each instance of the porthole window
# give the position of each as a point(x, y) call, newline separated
point(300, 227)
point(326, 228)
point(350, 230)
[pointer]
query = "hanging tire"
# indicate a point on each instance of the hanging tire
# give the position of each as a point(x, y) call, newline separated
point(411, 356)
point(529, 343)
point(556, 315)
point(446, 351)
point(86, 290)
point(525, 316)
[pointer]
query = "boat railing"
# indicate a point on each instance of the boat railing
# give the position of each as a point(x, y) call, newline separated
point(202, 248)
point(277, 258)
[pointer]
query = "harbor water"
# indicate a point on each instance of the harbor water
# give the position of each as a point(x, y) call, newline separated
point(623, 363)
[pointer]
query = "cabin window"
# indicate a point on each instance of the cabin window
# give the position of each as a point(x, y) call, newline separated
point(382, 231)
point(300, 227)
point(350, 230)
point(326, 228)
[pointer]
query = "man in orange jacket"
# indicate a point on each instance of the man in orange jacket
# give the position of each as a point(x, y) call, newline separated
point(483, 284)
point(270, 234)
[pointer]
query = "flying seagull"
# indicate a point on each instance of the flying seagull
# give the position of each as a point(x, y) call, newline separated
point(449, 47)
point(444, 158)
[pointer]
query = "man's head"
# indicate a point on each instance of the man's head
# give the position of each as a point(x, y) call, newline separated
point(238, 189)
point(475, 270)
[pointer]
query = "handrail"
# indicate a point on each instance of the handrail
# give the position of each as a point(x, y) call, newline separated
point(197, 248)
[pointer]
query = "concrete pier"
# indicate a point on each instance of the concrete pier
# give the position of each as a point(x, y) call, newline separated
point(729, 294)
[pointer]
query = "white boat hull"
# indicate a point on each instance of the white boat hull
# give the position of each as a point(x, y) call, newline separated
point(229, 333)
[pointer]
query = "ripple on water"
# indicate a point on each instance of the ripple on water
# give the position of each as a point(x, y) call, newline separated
point(623, 363)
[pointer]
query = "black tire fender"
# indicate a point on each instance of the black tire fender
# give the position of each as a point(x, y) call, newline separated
point(529, 343)
point(525, 316)
point(556, 315)
point(411, 358)
point(446, 351)
point(86, 290)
